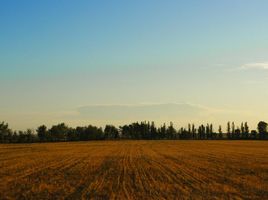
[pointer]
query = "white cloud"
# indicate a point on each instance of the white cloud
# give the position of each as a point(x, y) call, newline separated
point(262, 66)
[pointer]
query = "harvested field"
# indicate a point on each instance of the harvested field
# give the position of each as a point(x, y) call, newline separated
point(135, 170)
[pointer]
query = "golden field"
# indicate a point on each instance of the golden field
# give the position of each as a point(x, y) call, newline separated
point(135, 170)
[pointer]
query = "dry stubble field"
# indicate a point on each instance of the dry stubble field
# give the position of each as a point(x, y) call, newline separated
point(135, 170)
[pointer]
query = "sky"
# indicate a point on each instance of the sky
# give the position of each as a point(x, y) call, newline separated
point(113, 62)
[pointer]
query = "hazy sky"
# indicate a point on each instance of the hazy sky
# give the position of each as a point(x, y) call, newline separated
point(97, 62)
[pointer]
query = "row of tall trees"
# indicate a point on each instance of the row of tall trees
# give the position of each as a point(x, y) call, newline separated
point(138, 130)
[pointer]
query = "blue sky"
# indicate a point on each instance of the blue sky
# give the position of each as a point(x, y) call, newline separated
point(57, 57)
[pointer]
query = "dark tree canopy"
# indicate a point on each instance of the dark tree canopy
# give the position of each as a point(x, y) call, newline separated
point(138, 130)
point(262, 128)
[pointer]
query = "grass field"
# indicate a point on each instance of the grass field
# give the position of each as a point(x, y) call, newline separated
point(135, 170)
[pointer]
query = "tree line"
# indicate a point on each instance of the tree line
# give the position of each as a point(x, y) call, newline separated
point(138, 131)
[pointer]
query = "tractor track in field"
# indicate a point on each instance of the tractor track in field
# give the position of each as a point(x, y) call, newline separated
point(135, 170)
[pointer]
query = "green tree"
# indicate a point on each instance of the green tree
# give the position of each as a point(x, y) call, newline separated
point(233, 129)
point(253, 134)
point(93, 133)
point(42, 133)
point(72, 135)
point(246, 130)
point(59, 132)
point(242, 128)
point(5, 133)
point(262, 128)
point(228, 130)
point(154, 133)
point(171, 132)
point(193, 132)
point(111, 132)
point(30, 136)
point(220, 132)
